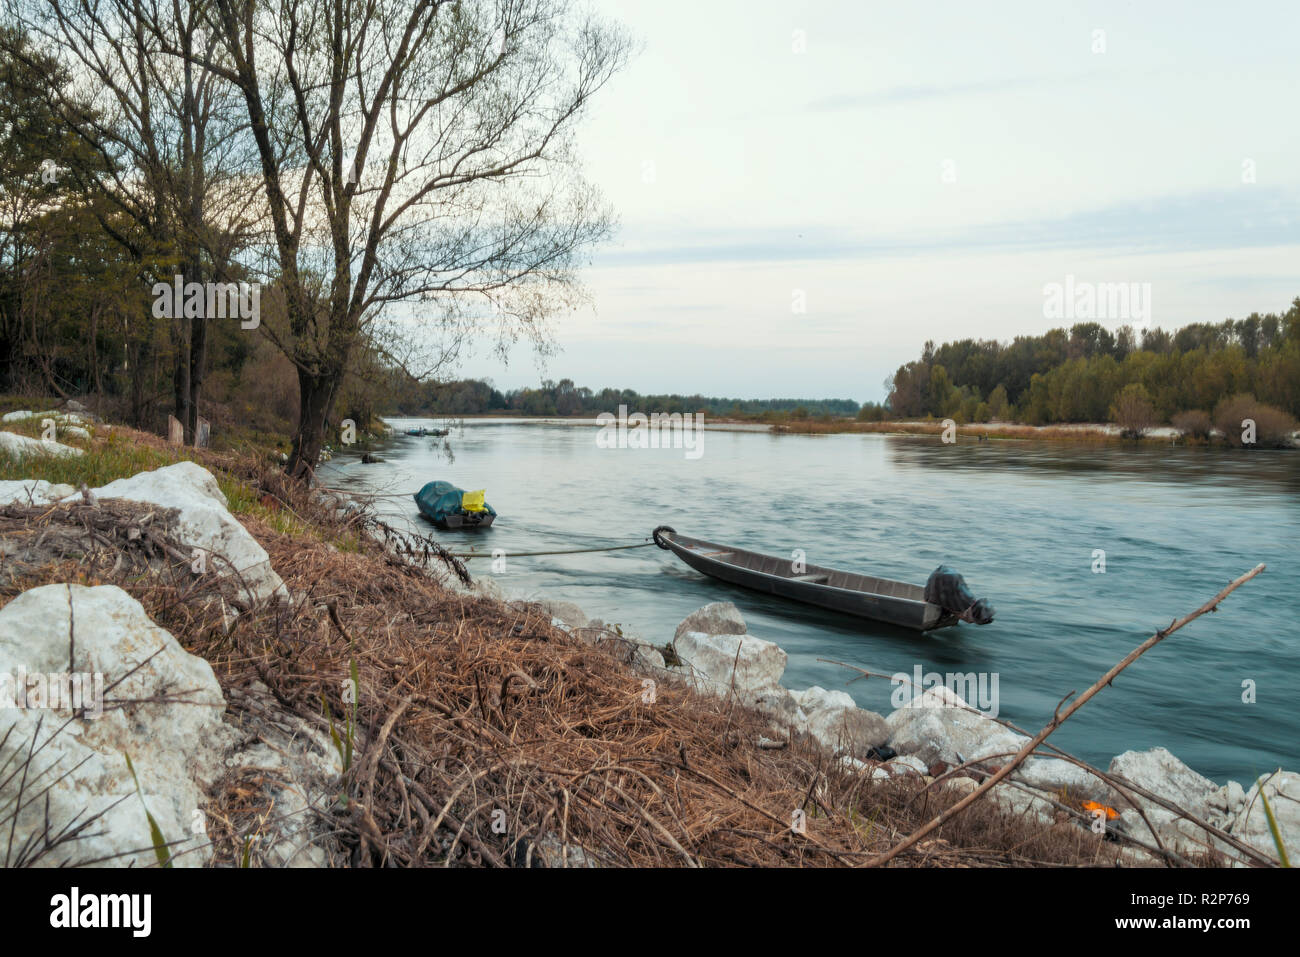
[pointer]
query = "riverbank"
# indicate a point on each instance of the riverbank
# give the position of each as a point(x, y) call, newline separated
point(362, 703)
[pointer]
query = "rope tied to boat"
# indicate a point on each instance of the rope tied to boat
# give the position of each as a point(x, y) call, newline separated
point(562, 551)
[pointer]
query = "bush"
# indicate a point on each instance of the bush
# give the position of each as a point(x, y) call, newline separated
point(1193, 423)
point(1133, 411)
point(1272, 425)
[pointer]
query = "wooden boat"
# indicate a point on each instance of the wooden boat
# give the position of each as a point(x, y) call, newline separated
point(865, 596)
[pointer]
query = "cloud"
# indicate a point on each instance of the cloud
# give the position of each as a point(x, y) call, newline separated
point(1246, 217)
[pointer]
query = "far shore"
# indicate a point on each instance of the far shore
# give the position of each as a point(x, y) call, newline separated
point(1084, 432)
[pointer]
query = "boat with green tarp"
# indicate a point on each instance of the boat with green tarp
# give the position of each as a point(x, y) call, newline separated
point(450, 507)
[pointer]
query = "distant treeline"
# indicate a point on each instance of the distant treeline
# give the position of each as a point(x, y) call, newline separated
point(1080, 374)
point(475, 396)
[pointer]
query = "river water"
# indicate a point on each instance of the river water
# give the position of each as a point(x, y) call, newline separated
point(1021, 521)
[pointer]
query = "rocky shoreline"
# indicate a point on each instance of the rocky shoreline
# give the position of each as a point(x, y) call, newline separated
point(938, 733)
point(183, 732)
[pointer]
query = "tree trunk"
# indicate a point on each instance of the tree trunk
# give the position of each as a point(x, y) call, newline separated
point(198, 358)
point(316, 393)
point(181, 370)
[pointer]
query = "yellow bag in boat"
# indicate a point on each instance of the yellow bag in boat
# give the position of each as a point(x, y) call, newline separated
point(473, 501)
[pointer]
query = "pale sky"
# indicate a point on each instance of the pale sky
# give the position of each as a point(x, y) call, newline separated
point(921, 171)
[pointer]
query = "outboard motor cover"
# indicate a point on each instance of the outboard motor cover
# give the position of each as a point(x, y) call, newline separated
point(948, 590)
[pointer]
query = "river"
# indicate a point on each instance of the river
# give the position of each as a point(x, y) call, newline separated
point(1021, 521)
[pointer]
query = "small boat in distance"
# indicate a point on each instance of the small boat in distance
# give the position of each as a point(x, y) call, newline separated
point(450, 507)
point(865, 596)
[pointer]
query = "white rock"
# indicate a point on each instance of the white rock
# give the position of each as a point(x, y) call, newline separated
point(299, 771)
point(1177, 834)
point(22, 446)
point(204, 523)
point(960, 786)
point(934, 728)
point(911, 762)
point(903, 767)
point(728, 662)
point(1161, 773)
point(816, 698)
point(1024, 805)
point(76, 432)
point(780, 705)
point(80, 768)
point(1230, 799)
point(1059, 775)
point(850, 729)
point(32, 491)
point(566, 611)
point(487, 587)
point(717, 618)
point(853, 766)
point(647, 658)
point(17, 416)
point(1282, 788)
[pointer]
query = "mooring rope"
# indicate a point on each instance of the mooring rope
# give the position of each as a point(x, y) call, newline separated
point(509, 554)
point(563, 551)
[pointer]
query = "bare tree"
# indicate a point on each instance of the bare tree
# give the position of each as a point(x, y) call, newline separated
point(417, 168)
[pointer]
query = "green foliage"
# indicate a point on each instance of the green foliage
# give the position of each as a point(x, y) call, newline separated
point(103, 463)
point(344, 742)
point(1273, 830)
point(160, 849)
point(1078, 375)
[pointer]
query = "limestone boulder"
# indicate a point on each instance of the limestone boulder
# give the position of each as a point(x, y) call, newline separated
point(26, 447)
point(729, 662)
point(717, 618)
point(155, 702)
point(204, 523)
point(1282, 789)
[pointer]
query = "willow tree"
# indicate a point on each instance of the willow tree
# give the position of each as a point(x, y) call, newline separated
point(417, 173)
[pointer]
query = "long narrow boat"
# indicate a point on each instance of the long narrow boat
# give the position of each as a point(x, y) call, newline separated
point(865, 596)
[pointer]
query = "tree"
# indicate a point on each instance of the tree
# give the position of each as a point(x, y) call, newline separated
point(1132, 411)
point(163, 143)
point(999, 406)
point(414, 151)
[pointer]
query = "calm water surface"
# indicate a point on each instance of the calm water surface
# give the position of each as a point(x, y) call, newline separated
point(1020, 521)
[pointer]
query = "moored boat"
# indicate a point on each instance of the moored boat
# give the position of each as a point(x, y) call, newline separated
point(864, 596)
point(450, 507)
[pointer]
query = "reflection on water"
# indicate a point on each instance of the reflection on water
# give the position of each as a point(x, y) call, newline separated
point(1021, 521)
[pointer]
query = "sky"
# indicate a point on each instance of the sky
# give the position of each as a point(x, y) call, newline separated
point(807, 192)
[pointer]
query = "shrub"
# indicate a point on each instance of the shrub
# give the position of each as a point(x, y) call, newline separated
point(1193, 423)
point(1272, 425)
point(1133, 411)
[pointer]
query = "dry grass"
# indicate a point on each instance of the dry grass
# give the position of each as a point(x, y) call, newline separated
point(999, 430)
